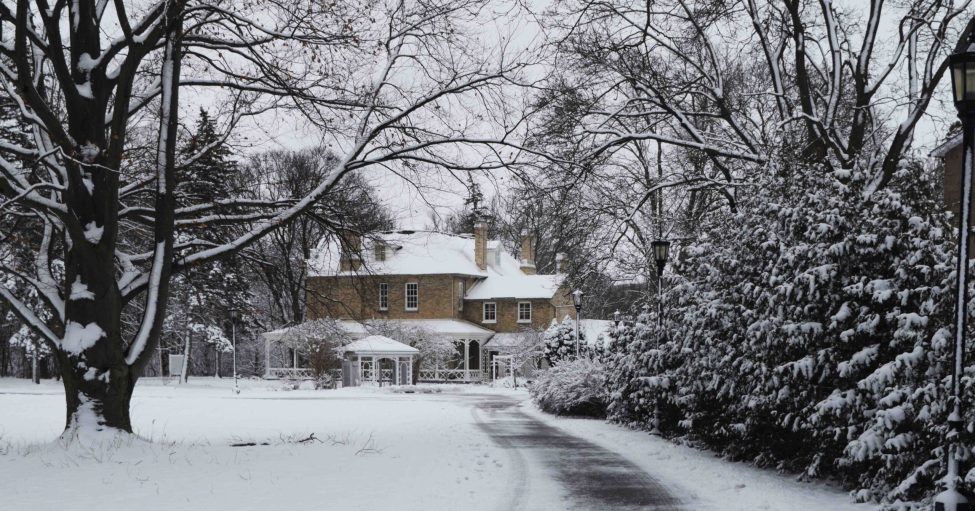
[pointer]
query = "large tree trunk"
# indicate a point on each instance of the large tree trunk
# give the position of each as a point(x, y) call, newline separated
point(97, 399)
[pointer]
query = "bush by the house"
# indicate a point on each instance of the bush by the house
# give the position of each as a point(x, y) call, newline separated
point(560, 342)
point(574, 387)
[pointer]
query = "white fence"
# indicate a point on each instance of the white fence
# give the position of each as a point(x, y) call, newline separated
point(450, 375)
point(290, 373)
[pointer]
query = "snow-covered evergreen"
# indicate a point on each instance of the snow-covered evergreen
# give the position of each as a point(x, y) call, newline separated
point(811, 334)
point(560, 342)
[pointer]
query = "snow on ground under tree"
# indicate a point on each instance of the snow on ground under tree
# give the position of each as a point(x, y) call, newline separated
point(378, 450)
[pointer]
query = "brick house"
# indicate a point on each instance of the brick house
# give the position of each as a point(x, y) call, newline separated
point(465, 287)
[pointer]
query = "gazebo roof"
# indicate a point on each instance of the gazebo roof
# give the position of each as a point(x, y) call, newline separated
point(378, 345)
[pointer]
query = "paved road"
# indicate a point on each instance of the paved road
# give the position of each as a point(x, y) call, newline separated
point(589, 477)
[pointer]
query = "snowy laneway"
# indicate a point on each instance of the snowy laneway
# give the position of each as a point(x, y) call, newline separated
point(590, 476)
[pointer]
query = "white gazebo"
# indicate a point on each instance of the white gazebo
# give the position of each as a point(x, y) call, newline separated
point(377, 359)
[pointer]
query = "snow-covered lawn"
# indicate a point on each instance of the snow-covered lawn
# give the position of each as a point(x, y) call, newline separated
point(378, 450)
point(374, 449)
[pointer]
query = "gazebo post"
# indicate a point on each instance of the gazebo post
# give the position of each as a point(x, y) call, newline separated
point(267, 358)
point(467, 359)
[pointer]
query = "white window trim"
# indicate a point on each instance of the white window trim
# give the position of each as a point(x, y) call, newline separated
point(406, 296)
point(484, 318)
point(530, 312)
point(383, 287)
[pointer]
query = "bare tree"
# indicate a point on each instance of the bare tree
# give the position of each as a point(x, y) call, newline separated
point(671, 110)
point(398, 86)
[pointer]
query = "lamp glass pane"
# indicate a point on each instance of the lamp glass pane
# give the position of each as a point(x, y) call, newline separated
point(969, 81)
point(958, 82)
point(661, 250)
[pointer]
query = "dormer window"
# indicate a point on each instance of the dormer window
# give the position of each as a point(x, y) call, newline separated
point(380, 252)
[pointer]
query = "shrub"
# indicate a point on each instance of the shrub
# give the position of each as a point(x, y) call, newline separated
point(574, 387)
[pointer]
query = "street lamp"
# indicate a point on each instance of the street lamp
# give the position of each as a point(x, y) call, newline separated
point(963, 87)
point(577, 301)
point(661, 250)
point(616, 317)
point(234, 315)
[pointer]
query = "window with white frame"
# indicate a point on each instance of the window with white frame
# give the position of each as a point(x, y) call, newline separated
point(490, 312)
point(524, 312)
point(412, 296)
point(383, 296)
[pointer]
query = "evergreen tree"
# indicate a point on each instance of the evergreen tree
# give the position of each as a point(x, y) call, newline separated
point(811, 334)
point(560, 342)
point(205, 297)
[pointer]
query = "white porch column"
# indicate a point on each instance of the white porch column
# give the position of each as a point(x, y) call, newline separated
point(267, 358)
point(467, 359)
point(294, 362)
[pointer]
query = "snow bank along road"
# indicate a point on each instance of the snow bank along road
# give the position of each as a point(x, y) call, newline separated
point(466, 448)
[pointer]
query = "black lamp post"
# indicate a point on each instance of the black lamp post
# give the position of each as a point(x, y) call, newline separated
point(963, 91)
point(661, 251)
point(234, 316)
point(577, 302)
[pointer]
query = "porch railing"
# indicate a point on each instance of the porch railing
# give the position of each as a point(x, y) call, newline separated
point(290, 373)
point(450, 375)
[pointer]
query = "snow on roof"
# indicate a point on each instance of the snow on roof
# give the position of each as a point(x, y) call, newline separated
point(593, 328)
point(507, 341)
point(946, 147)
point(378, 344)
point(407, 253)
point(515, 286)
point(448, 327)
point(430, 253)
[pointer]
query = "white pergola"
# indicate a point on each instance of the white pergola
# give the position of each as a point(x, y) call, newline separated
point(365, 359)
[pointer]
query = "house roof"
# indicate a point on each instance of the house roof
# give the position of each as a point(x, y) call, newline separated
point(507, 341)
point(378, 344)
point(408, 253)
point(447, 327)
point(498, 286)
point(946, 147)
point(433, 253)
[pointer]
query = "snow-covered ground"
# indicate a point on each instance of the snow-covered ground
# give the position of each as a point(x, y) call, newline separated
point(374, 449)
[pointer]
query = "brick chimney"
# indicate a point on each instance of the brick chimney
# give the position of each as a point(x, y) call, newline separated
point(527, 256)
point(480, 243)
point(350, 245)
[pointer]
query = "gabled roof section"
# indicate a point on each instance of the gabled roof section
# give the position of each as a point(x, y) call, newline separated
point(515, 286)
point(407, 253)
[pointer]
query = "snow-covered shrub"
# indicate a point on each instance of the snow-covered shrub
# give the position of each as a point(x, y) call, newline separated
point(811, 333)
point(560, 342)
point(573, 387)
